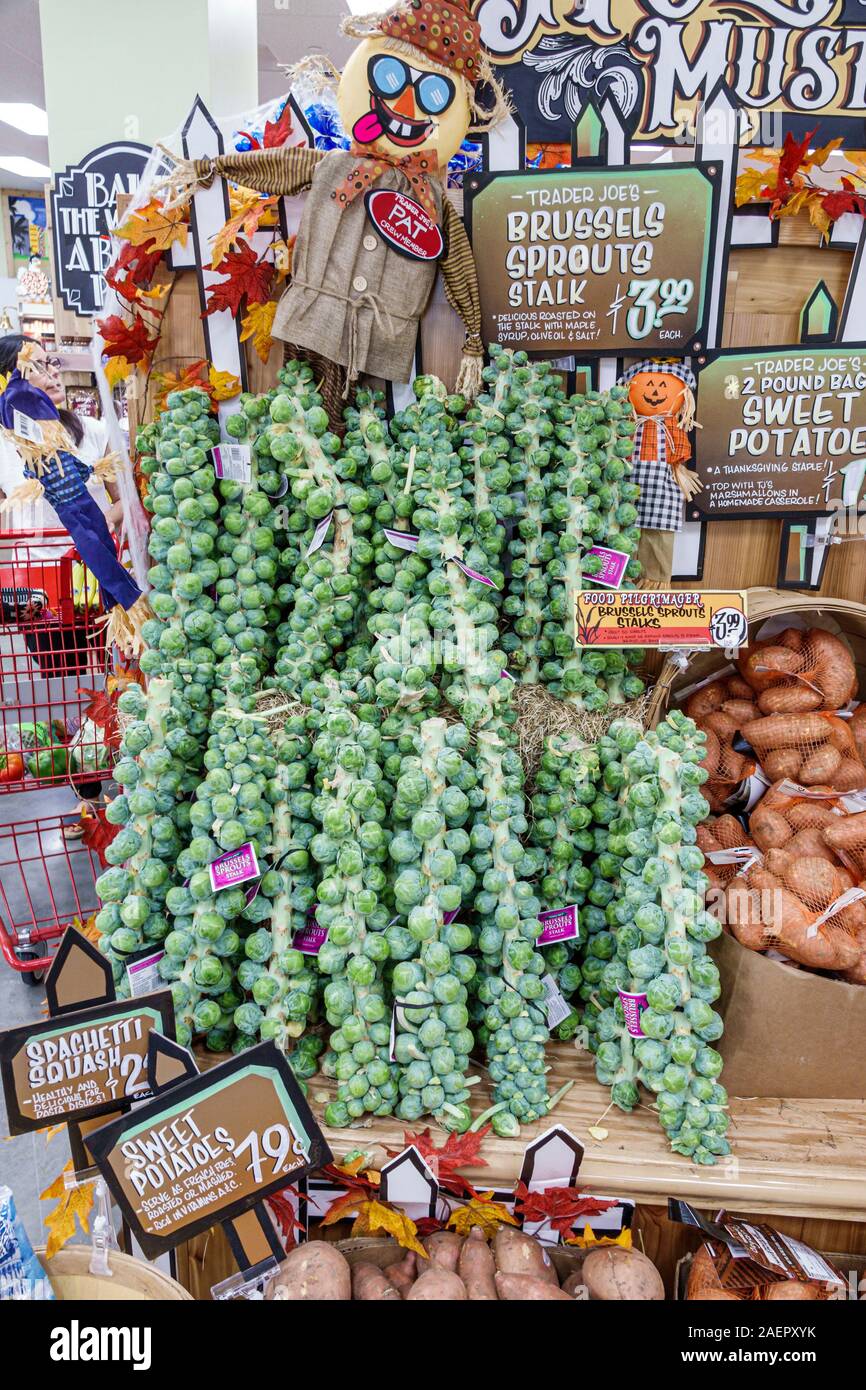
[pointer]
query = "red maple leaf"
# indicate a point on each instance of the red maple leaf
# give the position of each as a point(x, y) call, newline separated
point(277, 132)
point(458, 1151)
point(561, 1206)
point(284, 1212)
point(124, 340)
point(427, 1226)
point(247, 276)
point(102, 711)
point(98, 834)
point(844, 199)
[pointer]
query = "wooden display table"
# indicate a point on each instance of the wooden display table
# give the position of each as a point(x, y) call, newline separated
point(800, 1164)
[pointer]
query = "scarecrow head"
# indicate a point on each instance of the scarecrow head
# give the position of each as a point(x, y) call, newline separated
point(658, 387)
point(409, 86)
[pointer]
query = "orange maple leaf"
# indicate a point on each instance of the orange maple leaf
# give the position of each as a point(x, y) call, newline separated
point(154, 227)
point(257, 323)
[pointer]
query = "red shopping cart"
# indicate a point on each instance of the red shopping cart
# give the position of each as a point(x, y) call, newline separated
point(46, 885)
point(52, 659)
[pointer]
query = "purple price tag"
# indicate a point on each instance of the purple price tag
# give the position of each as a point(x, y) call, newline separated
point(473, 574)
point(234, 868)
point(633, 1006)
point(613, 566)
point(319, 534)
point(310, 939)
point(403, 540)
point(559, 924)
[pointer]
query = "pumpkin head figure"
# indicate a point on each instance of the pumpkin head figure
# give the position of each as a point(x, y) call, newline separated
point(662, 396)
point(657, 391)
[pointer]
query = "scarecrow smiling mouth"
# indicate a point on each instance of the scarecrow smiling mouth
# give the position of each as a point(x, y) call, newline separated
point(381, 120)
point(656, 398)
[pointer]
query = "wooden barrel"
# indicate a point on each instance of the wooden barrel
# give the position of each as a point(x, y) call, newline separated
point(131, 1280)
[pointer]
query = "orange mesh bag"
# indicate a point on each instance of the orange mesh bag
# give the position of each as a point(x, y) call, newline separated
point(718, 837)
point(800, 671)
point(820, 937)
point(720, 711)
point(857, 725)
point(811, 748)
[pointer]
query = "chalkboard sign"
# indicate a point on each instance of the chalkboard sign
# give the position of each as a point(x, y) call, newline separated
point(83, 212)
point(81, 1064)
point(588, 260)
point(209, 1148)
point(783, 431)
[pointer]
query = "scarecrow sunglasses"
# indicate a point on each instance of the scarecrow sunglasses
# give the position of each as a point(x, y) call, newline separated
point(389, 76)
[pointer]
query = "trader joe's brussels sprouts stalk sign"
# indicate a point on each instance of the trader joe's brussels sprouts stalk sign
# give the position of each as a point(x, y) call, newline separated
point(209, 1148)
point(596, 260)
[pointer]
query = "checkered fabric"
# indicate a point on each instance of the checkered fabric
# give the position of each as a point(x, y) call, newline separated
point(658, 364)
point(657, 446)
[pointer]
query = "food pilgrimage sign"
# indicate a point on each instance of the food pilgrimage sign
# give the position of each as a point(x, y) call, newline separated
point(783, 430)
point(791, 64)
point(591, 260)
point(83, 213)
point(81, 1064)
point(209, 1148)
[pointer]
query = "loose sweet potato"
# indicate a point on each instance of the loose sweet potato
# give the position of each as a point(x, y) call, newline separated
point(516, 1253)
point(610, 1272)
point(370, 1284)
point(443, 1247)
point(437, 1285)
point(513, 1288)
point(477, 1268)
point(314, 1271)
point(402, 1273)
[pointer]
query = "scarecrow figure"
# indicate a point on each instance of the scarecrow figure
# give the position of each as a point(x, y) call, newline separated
point(662, 396)
point(364, 265)
point(30, 421)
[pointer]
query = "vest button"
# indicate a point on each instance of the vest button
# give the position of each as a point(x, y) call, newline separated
point(359, 284)
point(370, 243)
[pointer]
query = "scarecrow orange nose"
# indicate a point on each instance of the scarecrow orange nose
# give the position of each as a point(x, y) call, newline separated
point(405, 104)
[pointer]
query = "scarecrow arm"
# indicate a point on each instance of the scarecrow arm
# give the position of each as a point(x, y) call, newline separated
point(281, 171)
point(460, 279)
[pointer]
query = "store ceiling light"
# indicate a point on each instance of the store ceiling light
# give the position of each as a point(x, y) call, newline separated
point(23, 115)
point(23, 167)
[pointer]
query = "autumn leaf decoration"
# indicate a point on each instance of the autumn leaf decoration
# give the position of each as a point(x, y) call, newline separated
point(247, 278)
point(786, 181)
point(481, 1211)
point(73, 1204)
point(284, 1214)
point(458, 1151)
point(276, 132)
point(561, 1206)
point(219, 386)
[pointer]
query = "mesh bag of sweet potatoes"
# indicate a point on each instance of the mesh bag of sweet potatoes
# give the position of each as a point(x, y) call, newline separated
point(804, 891)
point(782, 704)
